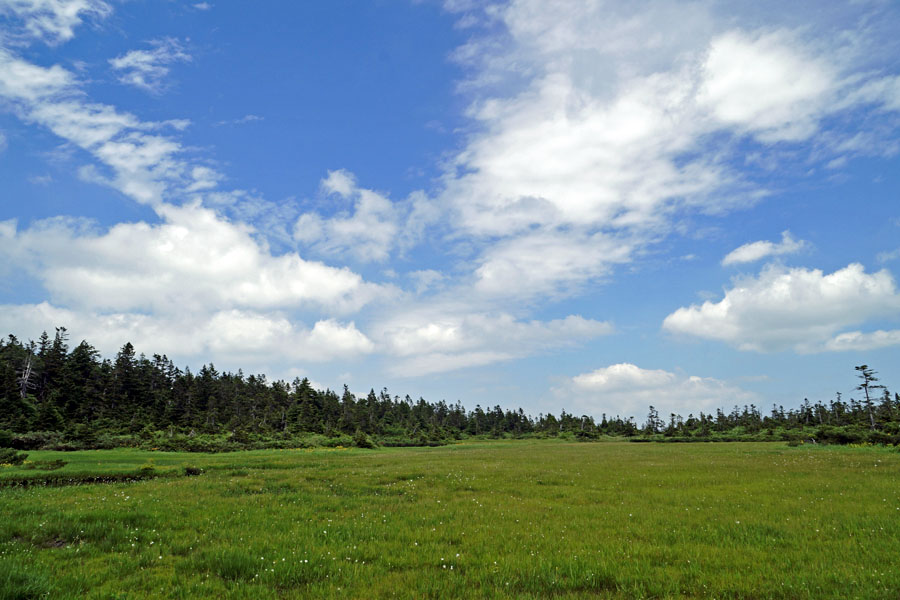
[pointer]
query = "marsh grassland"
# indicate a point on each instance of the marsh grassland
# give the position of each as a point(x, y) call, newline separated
point(523, 519)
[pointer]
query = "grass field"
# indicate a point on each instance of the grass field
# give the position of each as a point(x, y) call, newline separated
point(523, 519)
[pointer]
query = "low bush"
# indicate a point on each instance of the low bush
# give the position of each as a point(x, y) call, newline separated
point(47, 465)
point(361, 440)
point(9, 456)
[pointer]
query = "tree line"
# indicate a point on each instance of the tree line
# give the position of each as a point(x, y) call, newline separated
point(46, 387)
point(874, 418)
point(52, 396)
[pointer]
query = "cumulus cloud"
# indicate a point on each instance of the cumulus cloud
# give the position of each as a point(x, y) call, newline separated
point(594, 129)
point(192, 260)
point(339, 182)
point(367, 234)
point(857, 341)
point(371, 230)
point(147, 69)
point(234, 336)
point(767, 84)
point(52, 21)
point(591, 118)
point(21, 81)
point(755, 251)
point(437, 339)
point(203, 178)
point(193, 285)
point(799, 309)
point(628, 391)
point(542, 263)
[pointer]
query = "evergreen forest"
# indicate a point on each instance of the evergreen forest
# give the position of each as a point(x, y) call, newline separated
point(56, 397)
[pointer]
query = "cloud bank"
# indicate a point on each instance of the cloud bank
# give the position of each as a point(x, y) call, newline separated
point(628, 390)
point(797, 309)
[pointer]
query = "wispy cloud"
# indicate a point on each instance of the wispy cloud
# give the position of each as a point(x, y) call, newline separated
point(40, 180)
point(755, 251)
point(137, 159)
point(241, 121)
point(50, 21)
point(147, 69)
point(888, 256)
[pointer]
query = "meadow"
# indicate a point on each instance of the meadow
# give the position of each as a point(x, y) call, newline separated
point(504, 519)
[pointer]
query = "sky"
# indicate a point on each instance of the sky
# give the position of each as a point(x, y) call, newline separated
point(574, 205)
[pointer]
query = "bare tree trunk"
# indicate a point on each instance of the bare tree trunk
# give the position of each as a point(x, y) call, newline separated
point(25, 378)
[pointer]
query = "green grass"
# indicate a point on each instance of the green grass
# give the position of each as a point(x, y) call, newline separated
point(524, 519)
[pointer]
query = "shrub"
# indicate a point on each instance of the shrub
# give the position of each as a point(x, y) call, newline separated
point(47, 465)
point(9, 456)
point(361, 440)
point(192, 471)
point(839, 435)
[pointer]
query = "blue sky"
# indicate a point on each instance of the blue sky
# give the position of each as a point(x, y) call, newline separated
point(579, 205)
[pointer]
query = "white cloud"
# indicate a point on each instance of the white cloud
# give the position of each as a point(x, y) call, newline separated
point(888, 256)
point(884, 92)
point(339, 182)
point(143, 165)
point(191, 261)
point(369, 233)
point(40, 179)
point(548, 262)
point(21, 81)
point(147, 69)
point(440, 362)
point(240, 121)
point(628, 390)
point(754, 251)
point(194, 285)
point(248, 334)
point(443, 338)
point(595, 129)
point(3, 143)
point(426, 279)
point(592, 117)
point(204, 178)
point(765, 84)
point(52, 21)
point(556, 156)
point(203, 6)
point(232, 336)
point(799, 309)
point(857, 341)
